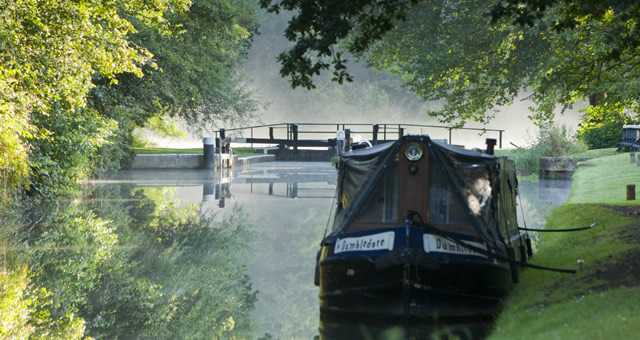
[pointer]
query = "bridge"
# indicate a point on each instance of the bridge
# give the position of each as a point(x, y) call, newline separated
point(290, 138)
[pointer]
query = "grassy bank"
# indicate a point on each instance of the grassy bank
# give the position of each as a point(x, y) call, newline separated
point(600, 301)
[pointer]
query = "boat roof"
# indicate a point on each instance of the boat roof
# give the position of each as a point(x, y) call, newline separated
point(374, 151)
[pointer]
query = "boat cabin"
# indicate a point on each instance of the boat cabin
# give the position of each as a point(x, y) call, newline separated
point(453, 189)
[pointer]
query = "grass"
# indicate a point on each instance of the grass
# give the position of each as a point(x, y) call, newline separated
point(604, 180)
point(528, 160)
point(600, 301)
point(241, 151)
point(596, 153)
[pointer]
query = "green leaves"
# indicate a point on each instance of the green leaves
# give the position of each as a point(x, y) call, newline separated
point(472, 56)
point(50, 51)
point(601, 126)
point(319, 26)
point(196, 79)
point(168, 58)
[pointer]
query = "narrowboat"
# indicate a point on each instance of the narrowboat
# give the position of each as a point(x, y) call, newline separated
point(422, 229)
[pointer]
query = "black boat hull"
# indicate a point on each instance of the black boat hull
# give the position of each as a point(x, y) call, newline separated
point(424, 287)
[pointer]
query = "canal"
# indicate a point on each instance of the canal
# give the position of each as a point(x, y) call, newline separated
point(202, 254)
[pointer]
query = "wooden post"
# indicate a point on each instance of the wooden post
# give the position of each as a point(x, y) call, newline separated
point(347, 140)
point(294, 128)
point(633, 156)
point(631, 192)
point(375, 134)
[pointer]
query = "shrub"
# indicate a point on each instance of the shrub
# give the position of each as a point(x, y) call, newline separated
point(557, 141)
point(552, 141)
point(602, 125)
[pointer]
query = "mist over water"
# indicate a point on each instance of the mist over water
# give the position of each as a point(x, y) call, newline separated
point(371, 98)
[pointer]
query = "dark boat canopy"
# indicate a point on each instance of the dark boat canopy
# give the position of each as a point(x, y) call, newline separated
point(481, 188)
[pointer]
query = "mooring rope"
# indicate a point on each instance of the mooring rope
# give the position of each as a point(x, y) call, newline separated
point(481, 251)
point(560, 230)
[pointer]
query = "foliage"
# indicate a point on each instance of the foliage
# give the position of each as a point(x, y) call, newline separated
point(50, 50)
point(468, 64)
point(318, 26)
point(118, 153)
point(66, 156)
point(557, 141)
point(457, 54)
point(55, 54)
point(14, 305)
point(552, 141)
point(602, 125)
point(155, 269)
point(214, 33)
point(13, 163)
point(372, 95)
point(165, 127)
point(191, 259)
point(196, 79)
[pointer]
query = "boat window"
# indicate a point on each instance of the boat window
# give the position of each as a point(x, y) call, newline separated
point(444, 206)
point(382, 204)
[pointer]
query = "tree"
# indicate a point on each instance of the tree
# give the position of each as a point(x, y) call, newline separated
point(571, 51)
point(454, 54)
point(50, 51)
point(171, 58)
point(319, 25)
point(196, 79)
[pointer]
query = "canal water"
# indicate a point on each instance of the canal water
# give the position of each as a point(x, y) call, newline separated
point(202, 254)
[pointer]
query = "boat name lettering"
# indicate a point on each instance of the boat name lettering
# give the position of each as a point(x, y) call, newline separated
point(438, 244)
point(379, 241)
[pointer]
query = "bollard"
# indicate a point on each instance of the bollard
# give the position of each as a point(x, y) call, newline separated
point(633, 156)
point(638, 161)
point(631, 192)
point(208, 160)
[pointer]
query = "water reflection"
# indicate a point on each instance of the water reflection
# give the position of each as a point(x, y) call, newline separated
point(198, 254)
point(288, 206)
point(134, 262)
point(406, 330)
